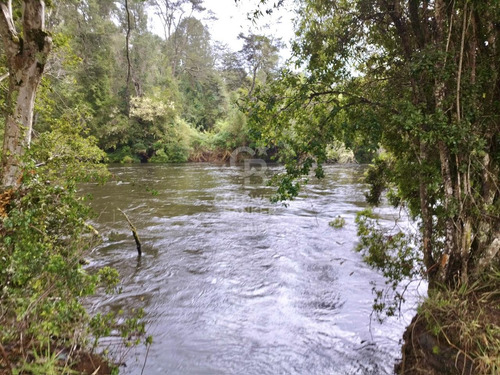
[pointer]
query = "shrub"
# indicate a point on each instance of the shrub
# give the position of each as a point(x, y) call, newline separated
point(175, 146)
point(44, 237)
point(128, 160)
point(232, 132)
point(338, 153)
point(466, 322)
point(160, 156)
point(337, 223)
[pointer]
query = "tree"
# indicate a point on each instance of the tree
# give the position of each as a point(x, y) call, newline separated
point(204, 99)
point(99, 76)
point(261, 56)
point(145, 51)
point(422, 79)
point(203, 92)
point(419, 80)
point(193, 52)
point(27, 50)
point(171, 13)
point(231, 68)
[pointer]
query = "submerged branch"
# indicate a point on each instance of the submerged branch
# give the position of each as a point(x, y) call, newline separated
point(134, 233)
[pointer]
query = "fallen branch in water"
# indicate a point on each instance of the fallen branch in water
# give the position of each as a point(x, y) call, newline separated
point(134, 233)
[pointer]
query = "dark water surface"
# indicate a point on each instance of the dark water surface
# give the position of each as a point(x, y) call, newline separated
point(233, 284)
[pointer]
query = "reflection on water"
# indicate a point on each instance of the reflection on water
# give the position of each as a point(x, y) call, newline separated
point(233, 284)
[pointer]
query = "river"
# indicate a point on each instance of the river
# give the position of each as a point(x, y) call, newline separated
point(233, 284)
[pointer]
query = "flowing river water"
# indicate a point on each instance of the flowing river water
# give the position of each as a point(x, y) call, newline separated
point(233, 284)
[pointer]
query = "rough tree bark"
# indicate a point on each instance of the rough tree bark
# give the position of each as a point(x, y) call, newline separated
point(27, 51)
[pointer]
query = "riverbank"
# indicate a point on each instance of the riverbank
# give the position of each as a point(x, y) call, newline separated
point(208, 148)
point(64, 360)
point(456, 332)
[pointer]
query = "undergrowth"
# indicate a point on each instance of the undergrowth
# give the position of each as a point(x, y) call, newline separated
point(44, 238)
point(468, 320)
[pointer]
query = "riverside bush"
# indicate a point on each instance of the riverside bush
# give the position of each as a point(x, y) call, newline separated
point(44, 237)
point(458, 330)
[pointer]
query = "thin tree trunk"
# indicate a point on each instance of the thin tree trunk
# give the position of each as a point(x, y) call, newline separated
point(254, 78)
point(490, 253)
point(460, 63)
point(450, 254)
point(426, 221)
point(488, 245)
point(448, 259)
point(127, 50)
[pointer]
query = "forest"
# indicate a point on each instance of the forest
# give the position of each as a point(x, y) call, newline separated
point(409, 88)
point(168, 98)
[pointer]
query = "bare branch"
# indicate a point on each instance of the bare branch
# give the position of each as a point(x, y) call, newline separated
point(33, 16)
point(8, 30)
point(127, 41)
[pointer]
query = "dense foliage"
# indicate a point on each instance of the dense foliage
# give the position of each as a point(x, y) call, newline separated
point(412, 86)
point(417, 84)
point(145, 97)
point(44, 238)
point(419, 80)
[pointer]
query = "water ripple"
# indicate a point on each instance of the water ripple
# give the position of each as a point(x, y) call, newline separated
point(233, 284)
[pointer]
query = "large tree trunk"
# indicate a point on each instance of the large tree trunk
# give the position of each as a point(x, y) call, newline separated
point(26, 53)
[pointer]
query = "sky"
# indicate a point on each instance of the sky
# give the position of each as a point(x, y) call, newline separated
point(232, 19)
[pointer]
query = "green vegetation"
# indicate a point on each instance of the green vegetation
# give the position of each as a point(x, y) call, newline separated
point(464, 325)
point(411, 87)
point(337, 223)
point(392, 251)
point(159, 100)
point(45, 236)
point(416, 83)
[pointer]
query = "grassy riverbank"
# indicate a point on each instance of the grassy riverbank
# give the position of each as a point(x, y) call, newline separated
point(456, 331)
